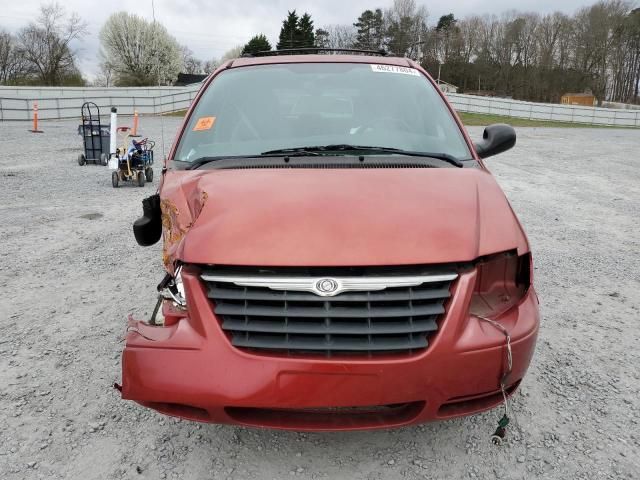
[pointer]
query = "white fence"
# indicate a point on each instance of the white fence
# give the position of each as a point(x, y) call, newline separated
point(58, 103)
point(545, 111)
point(16, 103)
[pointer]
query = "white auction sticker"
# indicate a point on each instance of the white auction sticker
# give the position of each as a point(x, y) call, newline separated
point(395, 69)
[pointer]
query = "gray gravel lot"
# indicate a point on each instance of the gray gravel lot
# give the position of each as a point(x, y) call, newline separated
point(69, 280)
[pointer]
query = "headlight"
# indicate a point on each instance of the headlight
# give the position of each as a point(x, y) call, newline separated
point(503, 280)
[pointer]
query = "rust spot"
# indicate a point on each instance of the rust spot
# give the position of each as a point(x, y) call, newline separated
point(172, 232)
point(177, 221)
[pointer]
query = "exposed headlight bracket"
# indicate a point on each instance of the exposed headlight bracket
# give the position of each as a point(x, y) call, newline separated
point(172, 288)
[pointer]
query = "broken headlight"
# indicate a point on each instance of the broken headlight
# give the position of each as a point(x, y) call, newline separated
point(174, 289)
point(502, 281)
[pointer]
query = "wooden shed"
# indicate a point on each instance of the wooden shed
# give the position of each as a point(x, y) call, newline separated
point(584, 99)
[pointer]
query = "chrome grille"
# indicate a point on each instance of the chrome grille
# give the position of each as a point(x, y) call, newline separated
point(279, 309)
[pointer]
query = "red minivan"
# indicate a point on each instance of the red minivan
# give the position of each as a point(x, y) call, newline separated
point(338, 256)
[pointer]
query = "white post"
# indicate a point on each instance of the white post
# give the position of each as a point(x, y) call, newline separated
point(114, 129)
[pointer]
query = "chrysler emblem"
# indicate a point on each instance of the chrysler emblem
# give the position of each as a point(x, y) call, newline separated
point(326, 286)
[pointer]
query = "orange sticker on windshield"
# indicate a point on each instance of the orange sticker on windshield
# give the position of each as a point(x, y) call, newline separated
point(204, 123)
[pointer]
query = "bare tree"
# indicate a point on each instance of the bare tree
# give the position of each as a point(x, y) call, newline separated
point(235, 52)
point(46, 44)
point(624, 60)
point(338, 36)
point(210, 65)
point(105, 76)
point(190, 64)
point(549, 35)
point(595, 28)
point(406, 28)
point(12, 64)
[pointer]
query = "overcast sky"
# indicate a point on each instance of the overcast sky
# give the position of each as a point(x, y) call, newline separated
point(211, 27)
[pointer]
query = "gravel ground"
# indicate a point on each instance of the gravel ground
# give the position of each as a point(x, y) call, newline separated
point(71, 272)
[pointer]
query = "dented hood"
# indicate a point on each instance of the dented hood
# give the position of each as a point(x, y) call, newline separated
point(335, 217)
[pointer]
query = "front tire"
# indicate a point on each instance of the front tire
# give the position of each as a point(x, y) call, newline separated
point(82, 159)
point(148, 173)
point(115, 179)
point(141, 178)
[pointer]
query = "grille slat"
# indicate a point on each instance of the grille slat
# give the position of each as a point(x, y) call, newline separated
point(333, 344)
point(223, 308)
point(221, 293)
point(332, 328)
point(398, 319)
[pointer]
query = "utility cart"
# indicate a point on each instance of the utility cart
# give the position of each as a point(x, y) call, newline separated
point(132, 163)
point(95, 136)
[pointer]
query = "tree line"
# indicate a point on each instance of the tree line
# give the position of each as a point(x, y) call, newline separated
point(133, 52)
point(523, 55)
point(541, 57)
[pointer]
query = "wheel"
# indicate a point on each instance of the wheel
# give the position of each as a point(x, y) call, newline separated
point(148, 173)
point(82, 159)
point(104, 159)
point(141, 178)
point(115, 179)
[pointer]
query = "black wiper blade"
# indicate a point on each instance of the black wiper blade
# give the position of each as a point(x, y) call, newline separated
point(327, 150)
point(313, 150)
point(398, 151)
point(296, 151)
point(343, 147)
point(199, 162)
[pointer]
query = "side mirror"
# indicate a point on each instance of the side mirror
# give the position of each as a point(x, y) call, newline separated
point(148, 228)
point(496, 139)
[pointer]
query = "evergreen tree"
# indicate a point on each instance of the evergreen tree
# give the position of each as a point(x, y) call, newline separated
point(370, 27)
point(305, 36)
point(446, 23)
point(258, 43)
point(288, 32)
point(296, 32)
point(322, 38)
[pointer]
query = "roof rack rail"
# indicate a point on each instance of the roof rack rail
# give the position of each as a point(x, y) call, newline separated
point(312, 50)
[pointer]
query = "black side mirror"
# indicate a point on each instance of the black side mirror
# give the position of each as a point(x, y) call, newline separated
point(496, 139)
point(148, 228)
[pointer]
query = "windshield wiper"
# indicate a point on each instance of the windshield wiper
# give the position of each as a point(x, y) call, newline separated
point(199, 162)
point(327, 149)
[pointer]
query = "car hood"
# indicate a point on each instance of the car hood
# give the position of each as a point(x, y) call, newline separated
point(335, 217)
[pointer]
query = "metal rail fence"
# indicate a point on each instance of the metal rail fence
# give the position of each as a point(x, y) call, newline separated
point(545, 111)
point(16, 103)
point(63, 103)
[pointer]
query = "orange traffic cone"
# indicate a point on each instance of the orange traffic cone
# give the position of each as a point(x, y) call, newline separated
point(35, 119)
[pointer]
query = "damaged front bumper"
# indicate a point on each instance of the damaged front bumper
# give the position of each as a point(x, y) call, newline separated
point(188, 368)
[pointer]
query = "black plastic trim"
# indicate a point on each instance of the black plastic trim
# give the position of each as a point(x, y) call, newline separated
point(340, 344)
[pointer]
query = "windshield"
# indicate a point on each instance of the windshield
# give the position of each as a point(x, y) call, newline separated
point(252, 110)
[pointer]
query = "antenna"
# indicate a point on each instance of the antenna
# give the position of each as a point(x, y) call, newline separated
point(157, 50)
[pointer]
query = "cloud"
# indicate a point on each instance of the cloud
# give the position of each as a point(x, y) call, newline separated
point(210, 28)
